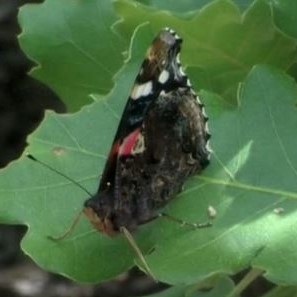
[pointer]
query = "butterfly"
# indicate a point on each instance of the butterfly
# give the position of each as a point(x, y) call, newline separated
point(161, 140)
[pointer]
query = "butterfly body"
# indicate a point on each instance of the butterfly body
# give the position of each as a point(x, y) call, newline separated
point(161, 140)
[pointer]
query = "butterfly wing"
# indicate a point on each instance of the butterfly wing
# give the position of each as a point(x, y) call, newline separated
point(159, 71)
point(161, 132)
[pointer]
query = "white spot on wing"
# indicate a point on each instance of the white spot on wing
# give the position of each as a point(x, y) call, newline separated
point(177, 37)
point(163, 77)
point(207, 128)
point(181, 71)
point(204, 113)
point(142, 90)
point(178, 58)
point(198, 99)
point(139, 146)
point(189, 83)
point(208, 148)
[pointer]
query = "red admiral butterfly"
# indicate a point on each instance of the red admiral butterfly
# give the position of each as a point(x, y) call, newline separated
point(161, 140)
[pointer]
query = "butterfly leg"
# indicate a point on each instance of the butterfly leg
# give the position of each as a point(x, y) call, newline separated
point(184, 223)
point(137, 250)
point(69, 231)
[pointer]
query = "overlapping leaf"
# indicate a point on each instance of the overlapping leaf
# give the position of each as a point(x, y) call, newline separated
point(222, 43)
point(175, 6)
point(187, 6)
point(72, 42)
point(285, 13)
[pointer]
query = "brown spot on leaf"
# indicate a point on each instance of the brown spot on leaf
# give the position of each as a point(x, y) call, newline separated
point(59, 151)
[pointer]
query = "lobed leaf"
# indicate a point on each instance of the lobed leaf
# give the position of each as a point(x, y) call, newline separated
point(221, 42)
point(285, 14)
point(75, 48)
point(188, 5)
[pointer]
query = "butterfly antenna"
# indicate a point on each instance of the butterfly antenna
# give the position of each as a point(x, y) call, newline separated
point(60, 173)
point(78, 217)
point(69, 231)
point(138, 252)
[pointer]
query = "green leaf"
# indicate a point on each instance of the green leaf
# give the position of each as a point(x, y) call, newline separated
point(175, 6)
point(74, 46)
point(221, 42)
point(243, 4)
point(187, 5)
point(285, 15)
point(252, 178)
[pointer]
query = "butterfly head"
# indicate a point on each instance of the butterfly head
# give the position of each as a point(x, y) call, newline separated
point(97, 211)
point(100, 211)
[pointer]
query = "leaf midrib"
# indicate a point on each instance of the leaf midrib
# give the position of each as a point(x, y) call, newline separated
point(248, 187)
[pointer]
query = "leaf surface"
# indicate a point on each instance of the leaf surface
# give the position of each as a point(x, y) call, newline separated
point(76, 50)
point(285, 13)
point(187, 5)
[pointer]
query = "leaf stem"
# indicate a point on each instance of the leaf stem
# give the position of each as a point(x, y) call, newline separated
point(245, 282)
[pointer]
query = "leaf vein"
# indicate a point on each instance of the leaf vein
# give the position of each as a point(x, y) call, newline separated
point(249, 187)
